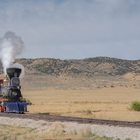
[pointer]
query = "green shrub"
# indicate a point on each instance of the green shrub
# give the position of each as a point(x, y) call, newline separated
point(135, 105)
point(25, 100)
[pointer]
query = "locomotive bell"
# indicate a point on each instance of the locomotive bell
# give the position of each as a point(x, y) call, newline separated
point(13, 72)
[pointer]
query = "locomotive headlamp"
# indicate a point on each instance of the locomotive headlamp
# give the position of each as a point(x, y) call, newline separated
point(13, 72)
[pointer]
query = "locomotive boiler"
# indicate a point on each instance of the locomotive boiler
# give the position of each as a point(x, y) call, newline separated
point(11, 97)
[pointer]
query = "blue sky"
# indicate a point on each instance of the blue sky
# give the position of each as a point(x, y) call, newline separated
point(70, 29)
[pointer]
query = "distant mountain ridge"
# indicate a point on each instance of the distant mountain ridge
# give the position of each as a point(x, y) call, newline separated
point(102, 66)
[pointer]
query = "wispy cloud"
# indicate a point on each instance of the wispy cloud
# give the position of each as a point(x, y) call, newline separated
point(74, 28)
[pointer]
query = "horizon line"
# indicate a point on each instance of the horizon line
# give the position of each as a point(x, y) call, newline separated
point(78, 58)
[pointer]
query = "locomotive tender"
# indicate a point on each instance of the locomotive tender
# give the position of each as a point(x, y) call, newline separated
point(11, 100)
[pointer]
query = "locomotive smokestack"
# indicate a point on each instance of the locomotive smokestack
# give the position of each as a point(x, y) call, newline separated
point(13, 72)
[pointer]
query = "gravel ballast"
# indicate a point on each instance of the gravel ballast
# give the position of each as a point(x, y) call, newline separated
point(69, 128)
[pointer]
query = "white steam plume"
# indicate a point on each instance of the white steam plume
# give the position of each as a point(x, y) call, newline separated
point(10, 47)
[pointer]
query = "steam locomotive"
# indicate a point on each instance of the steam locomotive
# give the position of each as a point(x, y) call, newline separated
point(10, 94)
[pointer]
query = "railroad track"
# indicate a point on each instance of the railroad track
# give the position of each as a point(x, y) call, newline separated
point(53, 118)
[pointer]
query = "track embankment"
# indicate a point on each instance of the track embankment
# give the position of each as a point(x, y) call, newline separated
point(54, 118)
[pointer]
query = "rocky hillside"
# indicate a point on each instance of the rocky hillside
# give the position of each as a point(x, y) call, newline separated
point(91, 73)
point(102, 66)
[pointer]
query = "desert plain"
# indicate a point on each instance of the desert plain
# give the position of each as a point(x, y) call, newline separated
point(106, 103)
point(99, 88)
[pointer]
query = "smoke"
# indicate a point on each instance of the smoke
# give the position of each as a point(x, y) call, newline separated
point(11, 46)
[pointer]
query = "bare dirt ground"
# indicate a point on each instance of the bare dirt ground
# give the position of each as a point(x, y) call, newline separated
point(106, 103)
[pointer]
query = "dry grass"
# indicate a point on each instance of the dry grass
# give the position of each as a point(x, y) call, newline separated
point(106, 103)
point(16, 133)
point(56, 133)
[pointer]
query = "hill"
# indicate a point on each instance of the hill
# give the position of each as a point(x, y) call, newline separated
point(95, 72)
point(102, 66)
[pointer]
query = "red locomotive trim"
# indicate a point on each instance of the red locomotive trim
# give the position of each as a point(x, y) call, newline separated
point(2, 108)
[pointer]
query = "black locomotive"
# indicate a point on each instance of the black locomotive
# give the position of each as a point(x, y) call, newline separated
point(11, 100)
point(14, 88)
